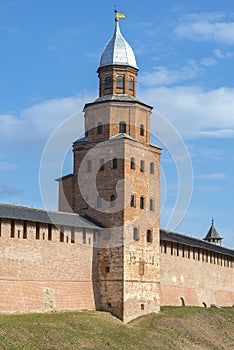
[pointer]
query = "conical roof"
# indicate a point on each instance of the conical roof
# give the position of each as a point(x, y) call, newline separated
point(118, 52)
point(212, 233)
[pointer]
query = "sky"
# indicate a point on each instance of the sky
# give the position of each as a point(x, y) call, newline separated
point(50, 51)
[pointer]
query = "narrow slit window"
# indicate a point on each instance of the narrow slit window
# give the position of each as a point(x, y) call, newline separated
point(142, 202)
point(61, 233)
point(113, 201)
point(133, 163)
point(102, 164)
point(151, 205)
point(84, 237)
point(12, 228)
point(133, 200)
point(25, 230)
point(37, 230)
point(142, 130)
point(72, 234)
point(152, 168)
point(142, 166)
point(115, 163)
point(100, 128)
point(49, 232)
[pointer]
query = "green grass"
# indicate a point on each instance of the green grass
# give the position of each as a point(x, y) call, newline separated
point(174, 328)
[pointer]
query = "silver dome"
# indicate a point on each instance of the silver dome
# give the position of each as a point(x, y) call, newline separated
point(118, 52)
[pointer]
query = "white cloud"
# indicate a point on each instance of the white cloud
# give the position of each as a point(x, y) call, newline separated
point(208, 62)
point(39, 121)
point(222, 54)
point(206, 27)
point(213, 176)
point(166, 76)
point(193, 111)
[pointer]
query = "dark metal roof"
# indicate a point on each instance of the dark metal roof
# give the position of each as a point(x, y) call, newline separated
point(194, 242)
point(49, 217)
point(119, 98)
point(212, 233)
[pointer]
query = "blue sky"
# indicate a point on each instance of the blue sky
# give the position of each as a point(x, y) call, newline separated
point(50, 51)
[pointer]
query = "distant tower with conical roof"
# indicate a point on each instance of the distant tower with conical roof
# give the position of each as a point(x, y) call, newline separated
point(212, 235)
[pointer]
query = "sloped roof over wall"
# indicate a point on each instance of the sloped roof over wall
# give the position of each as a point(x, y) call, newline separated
point(49, 217)
point(193, 242)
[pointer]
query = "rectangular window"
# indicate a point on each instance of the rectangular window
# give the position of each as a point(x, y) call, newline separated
point(84, 236)
point(72, 234)
point(172, 250)
point(37, 230)
point(120, 82)
point(12, 228)
point(49, 232)
point(102, 166)
point(115, 163)
point(151, 205)
point(89, 166)
point(61, 233)
point(25, 230)
point(142, 202)
point(133, 200)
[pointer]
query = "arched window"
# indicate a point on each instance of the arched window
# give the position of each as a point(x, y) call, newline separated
point(182, 301)
point(120, 82)
point(152, 168)
point(142, 202)
point(100, 128)
point(149, 236)
point(133, 164)
point(131, 83)
point(107, 84)
point(113, 201)
point(122, 127)
point(142, 166)
point(142, 130)
point(151, 205)
point(135, 234)
point(115, 163)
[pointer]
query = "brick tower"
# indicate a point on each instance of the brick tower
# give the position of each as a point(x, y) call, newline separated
point(116, 183)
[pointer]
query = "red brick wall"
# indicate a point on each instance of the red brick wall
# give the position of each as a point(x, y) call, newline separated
point(196, 281)
point(41, 275)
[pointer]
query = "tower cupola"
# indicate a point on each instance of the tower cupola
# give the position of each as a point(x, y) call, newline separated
point(212, 235)
point(118, 68)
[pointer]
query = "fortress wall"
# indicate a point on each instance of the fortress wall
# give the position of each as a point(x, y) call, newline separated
point(46, 273)
point(200, 280)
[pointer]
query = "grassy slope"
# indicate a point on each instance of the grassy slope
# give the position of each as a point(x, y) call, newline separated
point(174, 328)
